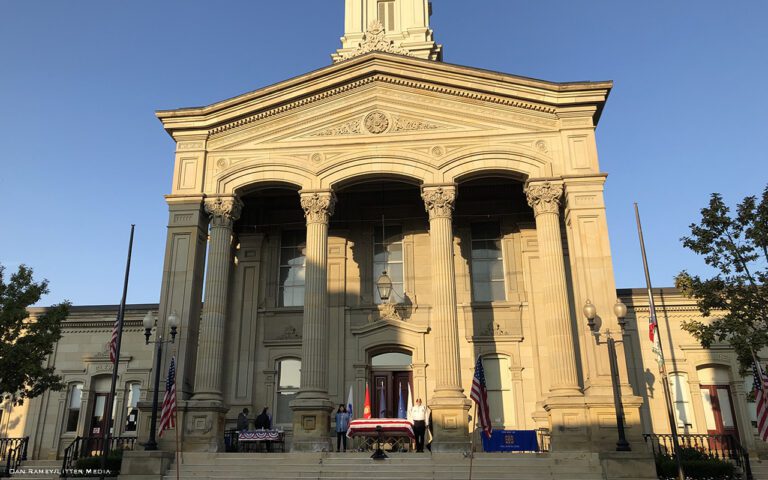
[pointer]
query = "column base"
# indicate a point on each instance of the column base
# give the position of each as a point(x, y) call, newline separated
point(638, 465)
point(569, 424)
point(142, 465)
point(449, 424)
point(311, 424)
point(203, 423)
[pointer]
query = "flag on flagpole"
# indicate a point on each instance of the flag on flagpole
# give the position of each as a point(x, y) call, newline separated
point(401, 413)
point(349, 404)
point(367, 404)
point(410, 400)
point(168, 417)
point(761, 399)
point(480, 395)
point(113, 340)
point(653, 334)
point(382, 404)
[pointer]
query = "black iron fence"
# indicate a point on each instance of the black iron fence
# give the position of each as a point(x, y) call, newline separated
point(82, 458)
point(715, 446)
point(12, 452)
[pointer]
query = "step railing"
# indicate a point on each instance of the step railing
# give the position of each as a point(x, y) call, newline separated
point(90, 447)
point(12, 452)
point(716, 446)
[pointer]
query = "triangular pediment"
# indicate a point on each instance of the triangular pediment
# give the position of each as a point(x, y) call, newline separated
point(400, 95)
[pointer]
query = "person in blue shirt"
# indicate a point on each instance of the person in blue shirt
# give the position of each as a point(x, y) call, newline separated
point(342, 424)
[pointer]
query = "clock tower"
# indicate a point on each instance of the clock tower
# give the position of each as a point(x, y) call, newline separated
point(395, 26)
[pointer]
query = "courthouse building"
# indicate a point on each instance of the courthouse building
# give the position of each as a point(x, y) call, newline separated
point(479, 194)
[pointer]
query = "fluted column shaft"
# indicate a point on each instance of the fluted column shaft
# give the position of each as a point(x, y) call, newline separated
point(439, 202)
point(318, 208)
point(224, 211)
point(545, 197)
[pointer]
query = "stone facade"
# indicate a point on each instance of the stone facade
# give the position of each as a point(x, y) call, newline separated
point(479, 192)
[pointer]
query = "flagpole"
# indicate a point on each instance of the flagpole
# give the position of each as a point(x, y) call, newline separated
point(110, 398)
point(177, 427)
point(662, 369)
point(472, 442)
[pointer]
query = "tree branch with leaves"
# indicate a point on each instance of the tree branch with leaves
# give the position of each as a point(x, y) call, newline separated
point(736, 246)
point(26, 342)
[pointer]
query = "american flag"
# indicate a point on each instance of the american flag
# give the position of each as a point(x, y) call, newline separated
point(113, 341)
point(168, 417)
point(761, 399)
point(480, 395)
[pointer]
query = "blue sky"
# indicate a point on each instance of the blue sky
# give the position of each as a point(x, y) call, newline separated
point(82, 155)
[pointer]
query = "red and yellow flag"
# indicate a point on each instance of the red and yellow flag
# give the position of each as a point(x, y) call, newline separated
point(367, 404)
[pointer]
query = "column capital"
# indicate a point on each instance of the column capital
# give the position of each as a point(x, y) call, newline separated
point(225, 208)
point(439, 200)
point(318, 205)
point(544, 197)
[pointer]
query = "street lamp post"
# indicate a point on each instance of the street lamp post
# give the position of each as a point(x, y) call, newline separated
point(620, 310)
point(149, 322)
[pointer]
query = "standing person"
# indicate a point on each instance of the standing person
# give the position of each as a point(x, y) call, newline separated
point(263, 421)
point(420, 417)
point(342, 424)
point(242, 420)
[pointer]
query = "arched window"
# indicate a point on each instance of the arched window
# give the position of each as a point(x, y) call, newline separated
point(132, 407)
point(498, 382)
point(289, 379)
point(74, 402)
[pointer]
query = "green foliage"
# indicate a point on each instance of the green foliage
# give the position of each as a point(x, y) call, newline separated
point(696, 465)
point(25, 343)
point(736, 246)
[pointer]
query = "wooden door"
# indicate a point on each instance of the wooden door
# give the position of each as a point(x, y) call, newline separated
point(719, 414)
point(97, 422)
point(386, 392)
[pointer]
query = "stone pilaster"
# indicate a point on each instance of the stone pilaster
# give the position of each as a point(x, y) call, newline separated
point(312, 407)
point(565, 403)
point(205, 412)
point(449, 405)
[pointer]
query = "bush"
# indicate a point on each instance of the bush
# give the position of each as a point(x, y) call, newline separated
point(696, 465)
point(114, 461)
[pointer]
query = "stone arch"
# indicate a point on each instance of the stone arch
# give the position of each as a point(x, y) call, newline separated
point(521, 165)
point(398, 166)
point(239, 177)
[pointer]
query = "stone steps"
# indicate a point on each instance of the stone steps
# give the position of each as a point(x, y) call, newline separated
point(759, 469)
point(38, 470)
point(396, 467)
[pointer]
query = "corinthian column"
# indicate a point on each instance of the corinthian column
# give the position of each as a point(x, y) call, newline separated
point(544, 198)
point(318, 208)
point(224, 211)
point(312, 407)
point(449, 405)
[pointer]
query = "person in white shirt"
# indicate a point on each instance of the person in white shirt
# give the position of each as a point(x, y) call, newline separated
point(419, 414)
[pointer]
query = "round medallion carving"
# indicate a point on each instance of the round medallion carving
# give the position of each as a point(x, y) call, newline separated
point(376, 122)
point(222, 163)
point(317, 157)
point(438, 151)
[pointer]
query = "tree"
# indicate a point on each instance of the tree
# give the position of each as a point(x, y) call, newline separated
point(736, 246)
point(26, 342)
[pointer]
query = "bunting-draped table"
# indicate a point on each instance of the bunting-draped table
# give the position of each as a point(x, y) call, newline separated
point(390, 427)
point(275, 436)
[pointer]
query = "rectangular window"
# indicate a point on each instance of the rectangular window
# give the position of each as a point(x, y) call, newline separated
point(387, 14)
point(132, 415)
point(292, 264)
point(73, 407)
point(498, 381)
point(388, 256)
point(487, 263)
point(289, 380)
point(681, 399)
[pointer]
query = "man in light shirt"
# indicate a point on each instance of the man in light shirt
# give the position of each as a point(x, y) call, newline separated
point(419, 414)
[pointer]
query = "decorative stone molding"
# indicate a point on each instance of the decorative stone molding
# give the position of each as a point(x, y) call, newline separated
point(544, 197)
point(376, 122)
point(224, 209)
point(388, 311)
point(289, 333)
point(439, 201)
point(409, 125)
point(374, 41)
point(426, 86)
point(347, 128)
point(318, 206)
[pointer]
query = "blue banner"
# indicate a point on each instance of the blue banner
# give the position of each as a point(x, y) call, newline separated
point(510, 441)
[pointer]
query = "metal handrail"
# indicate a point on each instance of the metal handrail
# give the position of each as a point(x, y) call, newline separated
point(84, 447)
point(716, 446)
point(13, 451)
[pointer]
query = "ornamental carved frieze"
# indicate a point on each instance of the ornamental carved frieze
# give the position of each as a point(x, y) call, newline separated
point(347, 128)
point(439, 201)
point(544, 197)
point(318, 206)
point(223, 210)
point(374, 41)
